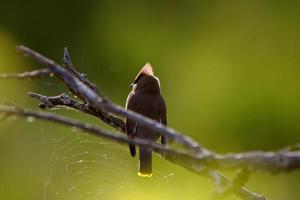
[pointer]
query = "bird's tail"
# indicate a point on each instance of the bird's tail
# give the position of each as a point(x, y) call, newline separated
point(132, 149)
point(145, 164)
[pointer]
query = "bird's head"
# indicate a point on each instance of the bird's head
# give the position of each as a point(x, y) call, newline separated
point(146, 81)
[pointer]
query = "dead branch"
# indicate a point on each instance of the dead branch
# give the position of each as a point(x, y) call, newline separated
point(64, 100)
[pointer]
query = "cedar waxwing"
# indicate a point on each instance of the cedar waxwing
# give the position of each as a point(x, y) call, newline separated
point(145, 98)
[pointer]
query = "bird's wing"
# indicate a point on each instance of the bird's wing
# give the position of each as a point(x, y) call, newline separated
point(162, 113)
point(131, 126)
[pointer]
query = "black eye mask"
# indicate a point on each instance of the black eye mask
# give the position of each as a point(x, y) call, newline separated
point(136, 80)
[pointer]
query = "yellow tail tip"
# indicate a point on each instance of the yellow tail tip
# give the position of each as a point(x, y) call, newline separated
point(144, 175)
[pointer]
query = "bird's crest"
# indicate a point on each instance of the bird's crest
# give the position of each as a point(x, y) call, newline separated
point(146, 70)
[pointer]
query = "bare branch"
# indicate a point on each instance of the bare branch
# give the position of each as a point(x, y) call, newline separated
point(27, 75)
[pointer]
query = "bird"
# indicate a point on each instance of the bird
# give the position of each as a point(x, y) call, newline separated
point(145, 98)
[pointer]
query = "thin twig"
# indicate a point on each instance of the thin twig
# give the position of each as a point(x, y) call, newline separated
point(69, 65)
point(27, 75)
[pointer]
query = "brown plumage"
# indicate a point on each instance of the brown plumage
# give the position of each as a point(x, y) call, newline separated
point(145, 98)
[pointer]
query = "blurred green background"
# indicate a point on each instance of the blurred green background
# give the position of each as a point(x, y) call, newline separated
point(229, 72)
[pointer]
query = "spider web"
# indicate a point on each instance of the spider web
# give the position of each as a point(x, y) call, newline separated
point(84, 167)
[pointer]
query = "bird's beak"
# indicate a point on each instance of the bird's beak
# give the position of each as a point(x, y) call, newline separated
point(131, 85)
